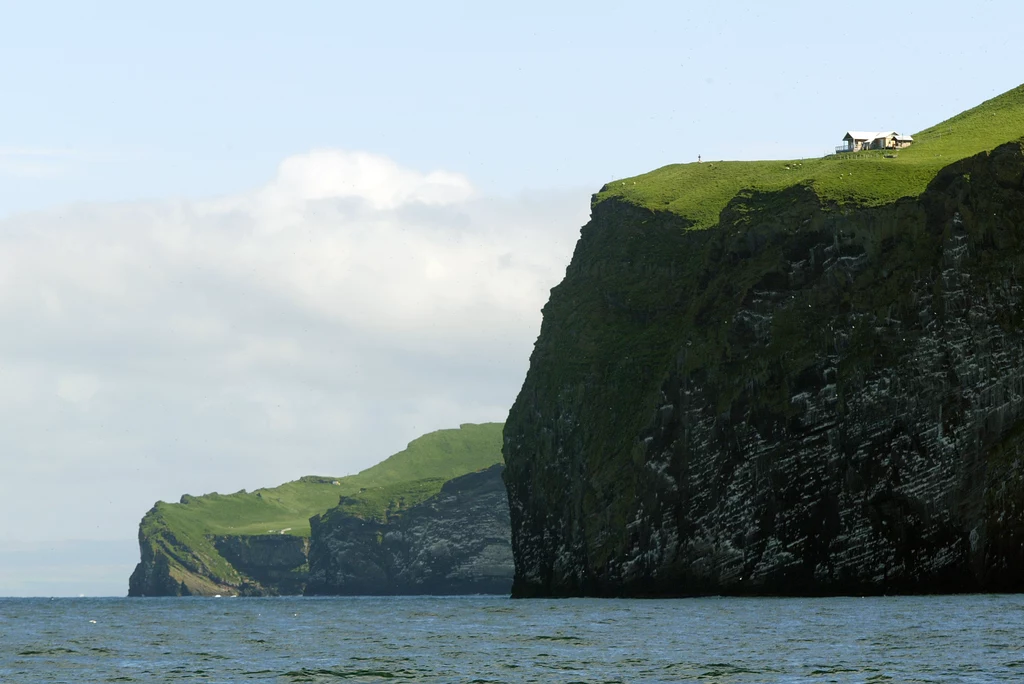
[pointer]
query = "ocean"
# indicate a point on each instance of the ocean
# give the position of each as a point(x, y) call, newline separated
point(495, 639)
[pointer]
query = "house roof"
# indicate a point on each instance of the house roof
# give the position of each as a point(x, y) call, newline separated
point(874, 135)
point(861, 135)
point(905, 138)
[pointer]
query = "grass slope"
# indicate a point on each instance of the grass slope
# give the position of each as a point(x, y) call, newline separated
point(410, 476)
point(699, 192)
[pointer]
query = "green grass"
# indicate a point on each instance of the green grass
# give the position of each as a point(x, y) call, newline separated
point(377, 503)
point(410, 476)
point(699, 192)
point(443, 454)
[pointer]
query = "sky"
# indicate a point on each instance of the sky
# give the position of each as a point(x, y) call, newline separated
point(245, 242)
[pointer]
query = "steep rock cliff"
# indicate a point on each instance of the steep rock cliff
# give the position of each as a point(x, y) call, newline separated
point(271, 563)
point(256, 543)
point(456, 542)
point(805, 398)
point(244, 565)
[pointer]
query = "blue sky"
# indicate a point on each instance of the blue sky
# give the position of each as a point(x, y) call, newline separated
point(245, 242)
point(124, 100)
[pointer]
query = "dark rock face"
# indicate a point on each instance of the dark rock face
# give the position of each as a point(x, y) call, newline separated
point(456, 542)
point(801, 400)
point(273, 564)
point(152, 576)
point(264, 565)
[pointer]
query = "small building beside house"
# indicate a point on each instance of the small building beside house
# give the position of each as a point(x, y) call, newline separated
point(900, 141)
point(855, 141)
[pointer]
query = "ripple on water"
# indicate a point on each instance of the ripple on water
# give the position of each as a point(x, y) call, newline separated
point(481, 639)
point(47, 651)
point(359, 675)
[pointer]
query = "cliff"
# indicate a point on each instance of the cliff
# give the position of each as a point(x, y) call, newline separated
point(456, 542)
point(257, 543)
point(757, 386)
point(257, 565)
point(249, 544)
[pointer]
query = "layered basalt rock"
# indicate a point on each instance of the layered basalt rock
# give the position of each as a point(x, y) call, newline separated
point(804, 399)
point(456, 542)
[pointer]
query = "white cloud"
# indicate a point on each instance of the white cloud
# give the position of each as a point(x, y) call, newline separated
point(314, 325)
point(330, 174)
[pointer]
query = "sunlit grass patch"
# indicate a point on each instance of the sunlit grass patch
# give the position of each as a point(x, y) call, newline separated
point(699, 191)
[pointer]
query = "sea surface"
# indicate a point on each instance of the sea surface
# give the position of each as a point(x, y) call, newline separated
point(492, 639)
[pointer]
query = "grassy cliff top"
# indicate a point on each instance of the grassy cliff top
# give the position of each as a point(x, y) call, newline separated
point(439, 455)
point(421, 469)
point(699, 192)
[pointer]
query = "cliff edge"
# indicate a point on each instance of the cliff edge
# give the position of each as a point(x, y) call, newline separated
point(806, 387)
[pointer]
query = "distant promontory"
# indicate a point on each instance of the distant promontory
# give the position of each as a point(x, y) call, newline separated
point(261, 543)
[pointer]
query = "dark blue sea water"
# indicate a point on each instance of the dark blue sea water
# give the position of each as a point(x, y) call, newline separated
point(477, 639)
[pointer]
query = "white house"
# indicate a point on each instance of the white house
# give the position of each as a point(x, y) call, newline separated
point(854, 141)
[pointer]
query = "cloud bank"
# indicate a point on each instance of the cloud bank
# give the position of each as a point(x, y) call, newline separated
point(314, 325)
